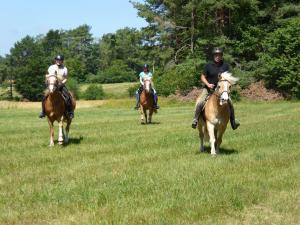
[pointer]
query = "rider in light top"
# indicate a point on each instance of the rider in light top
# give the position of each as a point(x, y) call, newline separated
point(61, 72)
point(145, 74)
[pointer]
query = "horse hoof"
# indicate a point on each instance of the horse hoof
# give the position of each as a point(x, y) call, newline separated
point(51, 145)
point(60, 142)
point(214, 155)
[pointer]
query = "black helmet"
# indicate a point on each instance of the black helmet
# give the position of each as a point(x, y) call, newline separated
point(217, 51)
point(146, 66)
point(59, 57)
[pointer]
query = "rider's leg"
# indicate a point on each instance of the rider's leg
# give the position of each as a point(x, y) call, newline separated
point(68, 101)
point(199, 107)
point(43, 114)
point(156, 106)
point(234, 123)
point(137, 97)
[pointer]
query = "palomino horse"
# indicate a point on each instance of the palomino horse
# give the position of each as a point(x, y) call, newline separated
point(55, 110)
point(147, 101)
point(216, 114)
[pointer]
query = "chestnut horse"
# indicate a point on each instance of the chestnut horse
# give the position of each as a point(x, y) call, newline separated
point(147, 101)
point(55, 110)
point(216, 114)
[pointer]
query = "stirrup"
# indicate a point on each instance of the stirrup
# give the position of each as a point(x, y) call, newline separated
point(42, 115)
point(71, 115)
point(156, 107)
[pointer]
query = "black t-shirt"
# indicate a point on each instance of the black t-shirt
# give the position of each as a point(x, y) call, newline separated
point(212, 70)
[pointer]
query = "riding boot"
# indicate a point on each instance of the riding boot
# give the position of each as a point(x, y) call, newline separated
point(43, 114)
point(70, 108)
point(155, 101)
point(137, 98)
point(199, 108)
point(234, 123)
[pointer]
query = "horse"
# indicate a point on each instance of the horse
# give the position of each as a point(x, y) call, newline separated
point(55, 110)
point(147, 101)
point(216, 113)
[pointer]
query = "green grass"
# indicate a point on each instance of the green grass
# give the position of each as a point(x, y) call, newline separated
point(112, 91)
point(116, 171)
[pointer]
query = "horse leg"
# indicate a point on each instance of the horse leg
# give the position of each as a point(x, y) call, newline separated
point(67, 130)
point(201, 136)
point(150, 115)
point(51, 133)
point(146, 116)
point(219, 138)
point(60, 132)
point(212, 139)
point(142, 115)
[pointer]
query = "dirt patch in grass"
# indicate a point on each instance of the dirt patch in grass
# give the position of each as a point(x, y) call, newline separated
point(258, 91)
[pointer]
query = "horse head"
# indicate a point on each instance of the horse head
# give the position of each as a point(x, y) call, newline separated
point(52, 83)
point(147, 84)
point(226, 80)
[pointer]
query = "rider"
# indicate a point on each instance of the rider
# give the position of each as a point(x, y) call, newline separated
point(61, 72)
point(145, 73)
point(209, 78)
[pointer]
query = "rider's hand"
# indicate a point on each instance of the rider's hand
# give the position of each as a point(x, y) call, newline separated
point(211, 86)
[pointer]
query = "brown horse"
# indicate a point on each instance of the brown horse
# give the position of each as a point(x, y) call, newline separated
point(147, 102)
point(216, 114)
point(55, 109)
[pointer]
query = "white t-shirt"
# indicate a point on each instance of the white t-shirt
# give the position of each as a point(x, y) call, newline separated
point(60, 71)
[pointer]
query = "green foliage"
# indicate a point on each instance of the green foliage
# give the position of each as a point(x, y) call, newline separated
point(279, 63)
point(131, 90)
point(29, 68)
point(73, 87)
point(94, 92)
point(118, 72)
point(182, 77)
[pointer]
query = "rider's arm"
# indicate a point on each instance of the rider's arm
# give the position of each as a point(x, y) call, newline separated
point(204, 81)
point(141, 80)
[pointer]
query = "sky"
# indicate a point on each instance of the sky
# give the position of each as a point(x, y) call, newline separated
point(19, 18)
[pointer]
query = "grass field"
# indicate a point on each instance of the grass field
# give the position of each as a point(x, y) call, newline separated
point(116, 171)
point(115, 91)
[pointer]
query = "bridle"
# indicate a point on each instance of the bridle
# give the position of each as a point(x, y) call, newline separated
point(226, 91)
point(54, 83)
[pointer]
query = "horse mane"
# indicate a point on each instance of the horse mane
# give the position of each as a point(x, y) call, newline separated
point(228, 76)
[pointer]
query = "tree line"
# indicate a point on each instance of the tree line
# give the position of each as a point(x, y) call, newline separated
point(260, 40)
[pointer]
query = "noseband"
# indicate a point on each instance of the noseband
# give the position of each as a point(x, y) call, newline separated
point(220, 94)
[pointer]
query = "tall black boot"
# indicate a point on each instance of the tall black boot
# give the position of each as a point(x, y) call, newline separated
point(69, 107)
point(198, 111)
point(43, 114)
point(234, 123)
point(155, 101)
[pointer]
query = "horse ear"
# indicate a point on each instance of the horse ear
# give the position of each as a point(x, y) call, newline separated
point(219, 76)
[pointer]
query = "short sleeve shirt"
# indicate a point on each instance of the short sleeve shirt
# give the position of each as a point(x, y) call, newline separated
point(143, 75)
point(60, 71)
point(212, 70)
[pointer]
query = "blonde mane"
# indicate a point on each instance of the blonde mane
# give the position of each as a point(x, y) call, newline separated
point(228, 76)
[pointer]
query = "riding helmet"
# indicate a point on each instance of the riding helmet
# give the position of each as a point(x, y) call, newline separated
point(217, 51)
point(59, 57)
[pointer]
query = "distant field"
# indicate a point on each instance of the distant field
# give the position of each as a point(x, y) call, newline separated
point(117, 90)
point(116, 171)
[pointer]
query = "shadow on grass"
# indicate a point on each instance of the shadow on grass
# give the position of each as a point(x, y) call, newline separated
point(152, 123)
point(223, 151)
point(74, 141)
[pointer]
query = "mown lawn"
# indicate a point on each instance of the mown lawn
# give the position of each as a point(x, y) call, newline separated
point(116, 171)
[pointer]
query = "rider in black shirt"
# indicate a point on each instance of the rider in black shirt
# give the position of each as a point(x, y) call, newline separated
point(209, 78)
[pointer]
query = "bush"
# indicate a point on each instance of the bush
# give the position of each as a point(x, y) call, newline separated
point(131, 90)
point(72, 86)
point(183, 78)
point(94, 92)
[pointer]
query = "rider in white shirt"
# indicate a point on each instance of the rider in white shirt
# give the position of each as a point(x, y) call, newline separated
point(61, 72)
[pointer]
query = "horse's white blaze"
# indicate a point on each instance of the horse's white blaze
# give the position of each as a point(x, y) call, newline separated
point(225, 95)
point(147, 84)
